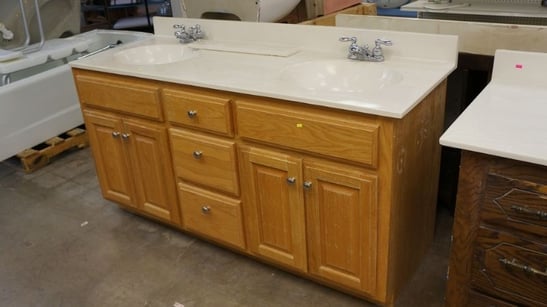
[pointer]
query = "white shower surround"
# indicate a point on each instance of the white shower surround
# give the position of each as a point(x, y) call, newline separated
point(246, 10)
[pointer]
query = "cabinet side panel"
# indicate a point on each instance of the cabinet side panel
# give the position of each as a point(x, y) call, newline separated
point(416, 156)
point(466, 223)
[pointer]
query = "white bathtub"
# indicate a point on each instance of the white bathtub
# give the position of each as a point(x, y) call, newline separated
point(41, 102)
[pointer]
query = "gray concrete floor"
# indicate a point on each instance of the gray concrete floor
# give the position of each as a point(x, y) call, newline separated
point(62, 244)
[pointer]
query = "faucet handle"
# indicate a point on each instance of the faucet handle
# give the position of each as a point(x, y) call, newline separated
point(351, 39)
point(197, 32)
point(380, 41)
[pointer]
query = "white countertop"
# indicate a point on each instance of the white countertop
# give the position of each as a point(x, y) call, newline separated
point(525, 8)
point(420, 62)
point(474, 37)
point(509, 117)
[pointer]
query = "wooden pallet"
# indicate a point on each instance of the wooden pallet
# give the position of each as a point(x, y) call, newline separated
point(40, 155)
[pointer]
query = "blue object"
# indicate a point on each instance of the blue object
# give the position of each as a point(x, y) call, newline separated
point(396, 12)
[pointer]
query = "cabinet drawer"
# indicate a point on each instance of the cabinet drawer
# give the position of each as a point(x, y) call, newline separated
point(205, 160)
point(322, 132)
point(517, 204)
point(129, 95)
point(510, 268)
point(480, 300)
point(212, 215)
point(198, 111)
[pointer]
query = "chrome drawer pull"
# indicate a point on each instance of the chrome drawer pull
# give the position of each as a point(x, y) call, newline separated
point(115, 134)
point(125, 136)
point(192, 113)
point(525, 268)
point(542, 215)
point(307, 185)
point(197, 154)
point(291, 180)
point(205, 209)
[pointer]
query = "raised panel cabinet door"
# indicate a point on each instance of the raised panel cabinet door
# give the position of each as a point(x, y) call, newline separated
point(111, 161)
point(272, 183)
point(341, 206)
point(151, 166)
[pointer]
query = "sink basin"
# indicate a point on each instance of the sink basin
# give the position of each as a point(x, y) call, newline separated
point(154, 54)
point(341, 76)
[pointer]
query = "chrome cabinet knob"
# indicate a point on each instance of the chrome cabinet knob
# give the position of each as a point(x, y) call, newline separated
point(197, 154)
point(125, 136)
point(291, 180)
point(307, 185)
point(192, 113)
point(205, 209)
point(116, 134)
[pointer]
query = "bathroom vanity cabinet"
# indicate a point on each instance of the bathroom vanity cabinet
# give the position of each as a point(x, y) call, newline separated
point(343, 198)
point(499, 250)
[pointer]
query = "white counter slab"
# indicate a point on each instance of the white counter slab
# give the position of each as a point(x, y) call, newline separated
point(481, 7)
point(423, 60)
point(509, 117)
point(474, 37)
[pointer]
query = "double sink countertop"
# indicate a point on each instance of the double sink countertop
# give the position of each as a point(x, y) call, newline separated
point(299, 63)
point(308, 64)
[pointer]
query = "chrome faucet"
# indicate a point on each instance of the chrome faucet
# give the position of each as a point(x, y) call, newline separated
point(193, 34)
point(364, 53)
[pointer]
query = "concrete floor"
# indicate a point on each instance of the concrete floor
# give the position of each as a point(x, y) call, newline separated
point(62, 244)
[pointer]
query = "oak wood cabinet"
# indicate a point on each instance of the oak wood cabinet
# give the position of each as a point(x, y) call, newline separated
point(131, 154)
point(499, 250)
point(205, 165)
point(342, 224)
point(330, 195)
point(328, 207)
point(276, 210)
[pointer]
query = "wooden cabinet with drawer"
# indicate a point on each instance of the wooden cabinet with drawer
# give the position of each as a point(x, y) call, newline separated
point(129, 142)
point(344, 184)
point(205, 163)
point(325, 193)
point(500, 245)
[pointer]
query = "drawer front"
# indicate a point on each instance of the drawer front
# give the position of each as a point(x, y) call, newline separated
point(205, 160)
point(134, 96)
point(516, 204)
point(511, 268)
point(480, 300)
point(318, 132)
point(212, 215)
point(198, 111)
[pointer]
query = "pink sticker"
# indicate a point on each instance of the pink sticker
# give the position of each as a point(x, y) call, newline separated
point(518, 66)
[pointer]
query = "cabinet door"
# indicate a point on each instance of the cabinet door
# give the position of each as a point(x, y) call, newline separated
point(151, 167)
point(275, 203)
point(110, 157)
point(341, 206)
